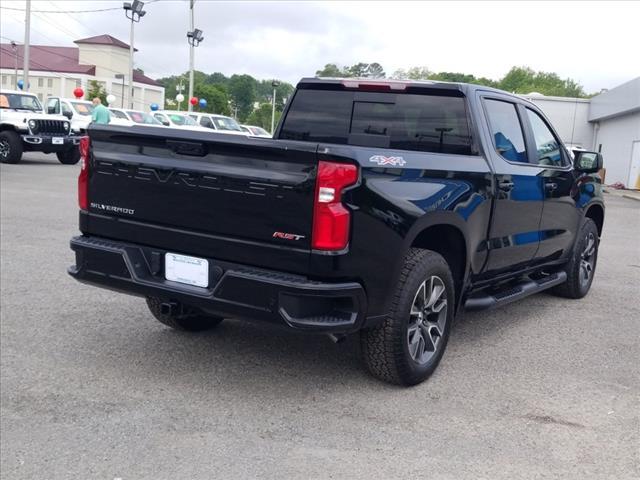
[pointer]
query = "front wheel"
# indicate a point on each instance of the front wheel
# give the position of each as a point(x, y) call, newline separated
point(409, 345)
point(581, 268)
point(10, 147)
point(69, 157)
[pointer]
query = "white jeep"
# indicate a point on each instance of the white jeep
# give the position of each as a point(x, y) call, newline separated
point(25, 127)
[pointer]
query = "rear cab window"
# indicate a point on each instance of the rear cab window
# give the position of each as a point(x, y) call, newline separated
point(436, 121)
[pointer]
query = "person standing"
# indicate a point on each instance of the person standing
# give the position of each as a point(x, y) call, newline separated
point(100, 114)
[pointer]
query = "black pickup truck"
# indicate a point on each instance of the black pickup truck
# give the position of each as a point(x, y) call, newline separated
point(379, 207)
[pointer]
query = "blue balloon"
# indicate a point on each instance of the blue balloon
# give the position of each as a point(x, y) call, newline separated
point(20, 84)
point(154, 107)
point(203, 103)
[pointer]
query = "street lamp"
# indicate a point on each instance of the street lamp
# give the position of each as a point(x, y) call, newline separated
point(14, 47)
point(275, 84)
point(134, 12)
point(194, 37)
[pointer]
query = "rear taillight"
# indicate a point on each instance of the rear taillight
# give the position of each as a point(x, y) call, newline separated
point(331, 219)
point(83, 178)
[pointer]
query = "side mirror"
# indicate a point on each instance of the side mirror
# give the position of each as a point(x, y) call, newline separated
point(587, 162)
point(68, 114)
point(166, 123)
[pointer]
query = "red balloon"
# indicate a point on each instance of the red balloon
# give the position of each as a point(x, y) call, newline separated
point(78, 93)
point(193, 100)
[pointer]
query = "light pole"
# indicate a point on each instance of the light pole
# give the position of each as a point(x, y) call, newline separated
point(275, 84)
point(133, 11)
point(25, 54)
point(15, 53)
point(179, 89)
point(194, 37)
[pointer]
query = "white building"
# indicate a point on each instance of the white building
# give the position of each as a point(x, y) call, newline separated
point(57, 71)
point(608, 123)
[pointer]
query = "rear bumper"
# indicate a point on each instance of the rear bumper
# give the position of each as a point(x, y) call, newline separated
point(234, 290)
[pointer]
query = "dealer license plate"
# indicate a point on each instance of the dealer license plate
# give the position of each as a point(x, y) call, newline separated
point(185, 269)
point(57, 141)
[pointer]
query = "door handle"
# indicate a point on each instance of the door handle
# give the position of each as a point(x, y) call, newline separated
point(550, 186)
point(506, 185)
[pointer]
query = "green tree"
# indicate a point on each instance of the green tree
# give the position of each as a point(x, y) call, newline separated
point(526, 80)
point(375, 70)
point(330, 70)
point(243, 90)
point(97, 91)
point(261, 116)
point(217, 99)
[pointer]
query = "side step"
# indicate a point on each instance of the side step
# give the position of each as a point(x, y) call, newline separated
point(514, 292)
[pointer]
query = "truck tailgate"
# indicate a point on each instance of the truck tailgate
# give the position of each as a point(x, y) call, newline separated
point(208, 184)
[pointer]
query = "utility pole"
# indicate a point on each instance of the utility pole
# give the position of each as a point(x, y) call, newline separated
point(194, 37)
point(135, 9)
point(275, 84)
point(25, 55)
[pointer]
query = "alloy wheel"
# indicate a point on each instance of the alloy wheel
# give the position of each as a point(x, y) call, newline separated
point(588, 260)
point(427, 319)
point(5, 148)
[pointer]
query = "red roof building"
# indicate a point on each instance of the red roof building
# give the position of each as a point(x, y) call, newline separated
point(57, 71)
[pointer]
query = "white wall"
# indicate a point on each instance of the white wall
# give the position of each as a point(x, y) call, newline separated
point(616, 135)
point(569, 116)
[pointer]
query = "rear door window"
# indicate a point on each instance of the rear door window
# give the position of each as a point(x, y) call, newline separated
point(403, 121)
point(506, 130)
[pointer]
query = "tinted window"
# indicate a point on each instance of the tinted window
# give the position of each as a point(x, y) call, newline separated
point(430, 123)
point(118, 114)
point(206, 122)
point(506, 130)
point(548, 149)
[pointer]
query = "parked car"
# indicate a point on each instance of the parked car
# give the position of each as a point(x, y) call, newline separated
point(135, 116)
point(256, 131)
point(78, 112)
point(382, 208)
point(219, 123)
point(174, 119)
point(24, 127)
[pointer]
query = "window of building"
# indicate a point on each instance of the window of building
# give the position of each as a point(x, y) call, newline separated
point(41, 82)
point(50, 82)
point(78, 83)
point(4, 79)
point(40, 96)
point(506, 130)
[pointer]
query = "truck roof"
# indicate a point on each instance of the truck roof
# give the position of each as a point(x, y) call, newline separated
point(397, 85)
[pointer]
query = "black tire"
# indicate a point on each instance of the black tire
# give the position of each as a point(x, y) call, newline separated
point(386, 349)
point(10, 147)
point(583, 261)
point(187, 318)
point(69, 157)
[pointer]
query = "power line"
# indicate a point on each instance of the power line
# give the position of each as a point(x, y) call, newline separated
point(70, 11)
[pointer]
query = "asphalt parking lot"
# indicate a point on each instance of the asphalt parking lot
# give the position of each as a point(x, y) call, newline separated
point(92, 387)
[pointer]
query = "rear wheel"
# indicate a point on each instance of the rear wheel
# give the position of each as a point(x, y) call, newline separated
point(10, 147)
point(582, 265)
point(408, 346)
point(69, 157)
point(181, 317)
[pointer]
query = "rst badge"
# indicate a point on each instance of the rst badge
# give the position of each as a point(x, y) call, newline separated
point(383, 161)
point(287, 236)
